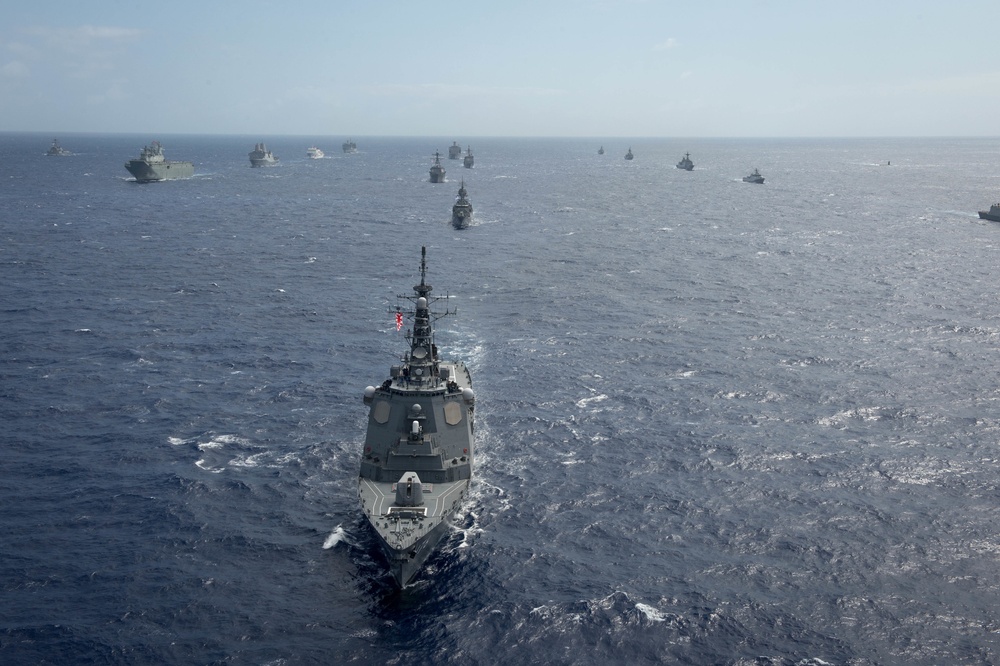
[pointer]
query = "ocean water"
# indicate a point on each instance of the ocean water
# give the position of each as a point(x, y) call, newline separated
point(718, 423)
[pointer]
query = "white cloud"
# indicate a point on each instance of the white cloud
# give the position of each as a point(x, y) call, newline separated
point(15, 70)
point(666, 46)
point(84, 35)
point(450, 91)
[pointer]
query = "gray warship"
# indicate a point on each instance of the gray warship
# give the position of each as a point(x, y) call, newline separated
point(151, 166)
point(461, 212)
point(454, 151)
point(629, 155)
point(416, 465)
point(686, 163)
point(349, 146)
point(437, 171)
point(469, 160)
point(56, 150)
point(260, 156)
point(755, 177)
point(992, 214)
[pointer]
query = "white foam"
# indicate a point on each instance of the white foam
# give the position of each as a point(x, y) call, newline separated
point(584, 402)
point(338, 535)
point(650, 612)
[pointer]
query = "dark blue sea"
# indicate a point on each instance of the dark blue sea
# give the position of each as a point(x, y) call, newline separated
point(718, 423)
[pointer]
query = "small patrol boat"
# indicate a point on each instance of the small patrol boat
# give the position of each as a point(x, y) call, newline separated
point(629, 155)
point(261, 156)
point(600, 151)
point(461, 212)
point(416, 465)
point(686, 163)
point(992, 214)
point(437, 171)
point(755, 177)
point(469, 160)
point(454, 151)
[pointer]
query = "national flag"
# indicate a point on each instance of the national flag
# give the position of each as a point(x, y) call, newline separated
point(399, 320)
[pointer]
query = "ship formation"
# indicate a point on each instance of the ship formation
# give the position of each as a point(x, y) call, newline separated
point(152, 166)
point(417, 461)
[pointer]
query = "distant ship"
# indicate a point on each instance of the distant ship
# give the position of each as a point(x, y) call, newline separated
point(416, 465)
point(349, 146)
point(600, 151)
point(56, 150)
point(461, 212)
point(992, 214)
point(314, 153)
point(260, 156)
point(469, 160)
point(629, 155)
point(454, 151)
point(755, 177)
point(151, 166)
point(686, 163)
point(437, 171)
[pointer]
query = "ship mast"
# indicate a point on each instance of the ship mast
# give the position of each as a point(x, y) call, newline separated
point(422, 361)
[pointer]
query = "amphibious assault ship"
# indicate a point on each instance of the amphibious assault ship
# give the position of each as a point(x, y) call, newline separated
point(152, 166)
point(461, 212)
point(416, 465)
point(260, 156)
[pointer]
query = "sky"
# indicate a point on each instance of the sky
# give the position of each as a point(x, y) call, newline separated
point(535, 68)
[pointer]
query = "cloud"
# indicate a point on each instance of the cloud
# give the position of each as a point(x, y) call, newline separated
point(666, 46)
point(14, 69)
point(450, 91)
point(83, 35)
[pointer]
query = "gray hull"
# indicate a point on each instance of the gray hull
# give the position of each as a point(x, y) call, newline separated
point(461, 216)
point(145, 172)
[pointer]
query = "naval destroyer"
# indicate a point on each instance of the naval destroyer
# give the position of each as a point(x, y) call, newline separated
point(152, 166)
point(469, 160)
point(416, 465)
point(437, 170)
point(461, 212)
point(686, 163)
point(755, 177)
point(56, 150)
